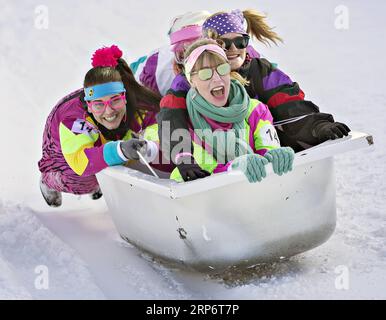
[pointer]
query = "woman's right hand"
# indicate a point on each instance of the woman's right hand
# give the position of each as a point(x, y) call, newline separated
point(190, 170)
point(253, 166)
point(130, 147)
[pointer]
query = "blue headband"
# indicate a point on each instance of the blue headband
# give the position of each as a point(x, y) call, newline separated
point(104, 89)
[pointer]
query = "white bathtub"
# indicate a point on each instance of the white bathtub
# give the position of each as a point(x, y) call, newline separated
point(224, 220)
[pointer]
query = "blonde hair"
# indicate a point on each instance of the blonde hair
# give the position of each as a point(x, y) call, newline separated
point(256, 27)
point(212, 57)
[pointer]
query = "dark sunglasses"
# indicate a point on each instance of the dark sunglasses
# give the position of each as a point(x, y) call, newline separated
point(239, 42)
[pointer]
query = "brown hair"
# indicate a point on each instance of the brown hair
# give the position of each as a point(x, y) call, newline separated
point(138, 97)
point(256, 27)
point(135, 92)
point(213, 58)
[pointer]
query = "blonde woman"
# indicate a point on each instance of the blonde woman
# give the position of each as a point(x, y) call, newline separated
point(299, 123)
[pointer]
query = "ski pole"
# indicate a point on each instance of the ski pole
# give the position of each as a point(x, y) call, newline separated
point(147, 164)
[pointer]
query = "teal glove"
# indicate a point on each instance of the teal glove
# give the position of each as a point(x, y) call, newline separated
point(252, 165)
point(281, 159)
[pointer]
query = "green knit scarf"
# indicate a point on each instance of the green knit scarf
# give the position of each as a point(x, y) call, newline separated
point(235, 113)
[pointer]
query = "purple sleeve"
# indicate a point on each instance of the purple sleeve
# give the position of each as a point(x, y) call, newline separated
point(252, 52)
point(275, 79)
point(180, 83)
point(148, 75)
point(96, 162)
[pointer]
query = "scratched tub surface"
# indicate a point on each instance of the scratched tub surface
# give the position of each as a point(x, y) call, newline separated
point(223, 220)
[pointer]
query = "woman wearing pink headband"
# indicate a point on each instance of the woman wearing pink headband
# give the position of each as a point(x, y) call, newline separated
point(299, 123)
point(228, 129)
point(93, 128)
point(157, 70)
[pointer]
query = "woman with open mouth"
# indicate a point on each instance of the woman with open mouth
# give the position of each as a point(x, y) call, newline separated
point(229, 129)
point(157, 70)
point(94, 127)
point(299, 123)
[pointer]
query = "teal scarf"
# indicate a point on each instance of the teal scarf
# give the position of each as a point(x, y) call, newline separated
point(229, 144)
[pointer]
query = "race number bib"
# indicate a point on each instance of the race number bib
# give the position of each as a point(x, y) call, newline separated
point(84, 127)
point(269, 136)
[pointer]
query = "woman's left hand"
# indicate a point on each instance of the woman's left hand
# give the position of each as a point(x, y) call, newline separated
point(282, 159)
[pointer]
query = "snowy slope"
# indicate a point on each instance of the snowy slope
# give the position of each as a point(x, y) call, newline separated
point(342, 71)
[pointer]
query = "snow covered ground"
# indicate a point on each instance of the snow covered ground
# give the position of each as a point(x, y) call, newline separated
point(340, 70)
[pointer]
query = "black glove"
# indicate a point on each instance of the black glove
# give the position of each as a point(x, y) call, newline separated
point(130, 147)
point(190, 170)
point(330, 131)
